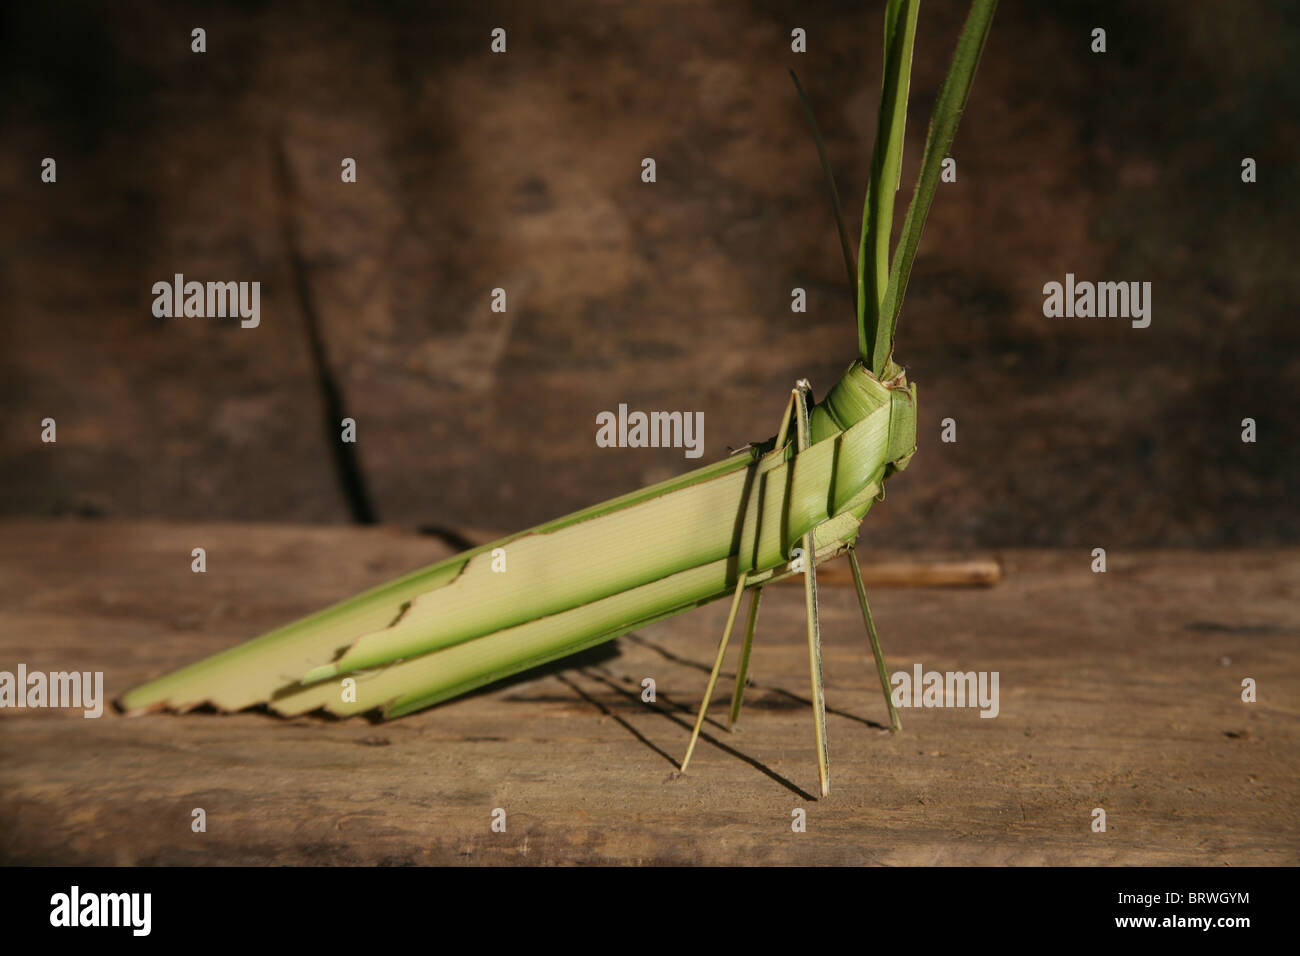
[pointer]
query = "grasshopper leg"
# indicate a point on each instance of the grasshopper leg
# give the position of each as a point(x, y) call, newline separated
point(743, 673)
point(815, 664)
point(802, 395)
point(737, 698)
point(894, 723)
point(717, 666)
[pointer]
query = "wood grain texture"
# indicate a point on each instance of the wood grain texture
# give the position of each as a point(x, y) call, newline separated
point(1119, 691)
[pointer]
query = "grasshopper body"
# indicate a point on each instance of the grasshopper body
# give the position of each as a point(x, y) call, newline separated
point(568, 584)
point(723, 529)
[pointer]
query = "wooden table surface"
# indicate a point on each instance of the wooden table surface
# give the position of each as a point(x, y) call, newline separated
point(1119, 691)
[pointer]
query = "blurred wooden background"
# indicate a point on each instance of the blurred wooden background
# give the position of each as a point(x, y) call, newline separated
point(522, 171)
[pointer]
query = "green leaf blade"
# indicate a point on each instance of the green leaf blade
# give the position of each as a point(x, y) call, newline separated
point(886, 169)
point(943, 127)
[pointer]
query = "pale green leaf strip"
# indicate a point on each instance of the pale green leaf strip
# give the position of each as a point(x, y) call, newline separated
point(253, 671)
point(548, 573)
point(419, 682)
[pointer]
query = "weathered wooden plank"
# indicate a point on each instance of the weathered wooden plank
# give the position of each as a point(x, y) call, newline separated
point(1119, 691)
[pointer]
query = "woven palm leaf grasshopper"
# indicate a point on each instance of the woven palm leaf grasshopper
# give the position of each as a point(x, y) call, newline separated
point(715, 532)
